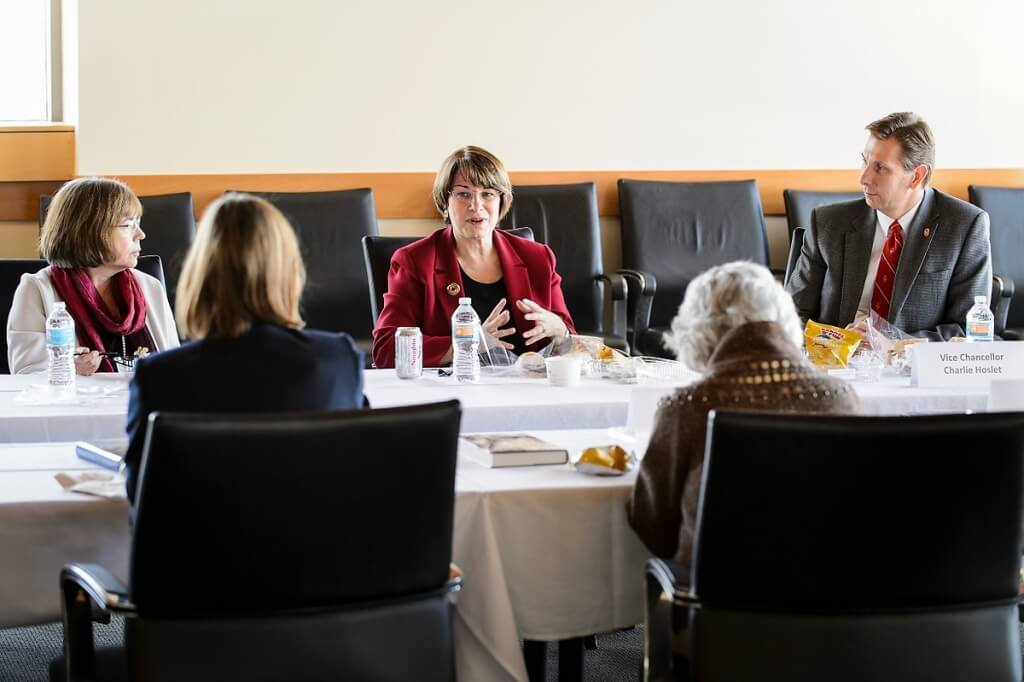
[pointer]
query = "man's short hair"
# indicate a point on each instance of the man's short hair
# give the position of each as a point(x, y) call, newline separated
point(915, 138)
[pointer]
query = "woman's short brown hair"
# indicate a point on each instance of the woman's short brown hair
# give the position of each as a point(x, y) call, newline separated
point(481, 168)
point(80, 223)
point(244, 266)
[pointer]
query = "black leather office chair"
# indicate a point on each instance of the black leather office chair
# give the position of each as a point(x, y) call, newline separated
point(377, 252)
point(170, 226)
point(330, 225)
point(672, 232)
point(309, 546)
point(11, 270)
point(849, 548)
point(801, 203)
point(1005, 208)
point(796, 242)
point(565, 217)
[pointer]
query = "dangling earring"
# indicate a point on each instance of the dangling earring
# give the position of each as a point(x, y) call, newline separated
point(445, 217)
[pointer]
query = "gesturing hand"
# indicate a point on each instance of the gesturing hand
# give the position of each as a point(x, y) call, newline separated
point(548, 325)
point(492, 327)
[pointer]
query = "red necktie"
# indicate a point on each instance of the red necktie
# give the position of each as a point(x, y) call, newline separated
point(881, 299)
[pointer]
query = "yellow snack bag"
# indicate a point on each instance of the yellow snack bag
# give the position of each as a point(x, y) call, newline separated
point(829, 346)
point(605, 460)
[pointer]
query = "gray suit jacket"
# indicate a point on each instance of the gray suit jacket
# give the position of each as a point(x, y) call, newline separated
point(946, 262)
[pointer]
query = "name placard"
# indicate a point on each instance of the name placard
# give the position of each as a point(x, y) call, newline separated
point(966, 364)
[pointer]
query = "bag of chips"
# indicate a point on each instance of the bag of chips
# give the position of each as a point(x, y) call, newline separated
point(829, 346)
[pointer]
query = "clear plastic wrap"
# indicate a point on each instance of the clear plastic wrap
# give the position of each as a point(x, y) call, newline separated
point(891, 344)
point(598, 359)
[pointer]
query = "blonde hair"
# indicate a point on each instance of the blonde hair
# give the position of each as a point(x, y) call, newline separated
point(81, 221)
point(481, 168)
point(244, 266)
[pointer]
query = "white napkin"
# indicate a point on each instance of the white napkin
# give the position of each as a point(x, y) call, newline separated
point(105, 484)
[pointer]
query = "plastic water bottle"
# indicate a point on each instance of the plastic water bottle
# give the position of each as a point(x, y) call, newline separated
point(60, 346)
point(466, 342)
point(980, 322)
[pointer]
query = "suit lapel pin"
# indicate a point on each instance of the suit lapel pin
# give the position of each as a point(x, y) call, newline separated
point(453, 289)
point(927, 232)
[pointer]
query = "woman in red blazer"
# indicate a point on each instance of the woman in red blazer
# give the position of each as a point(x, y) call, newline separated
point(512, 281)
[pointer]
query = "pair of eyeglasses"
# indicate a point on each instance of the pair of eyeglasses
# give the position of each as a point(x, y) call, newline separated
point(116, 358)
point(130, 224)
point(464, 196)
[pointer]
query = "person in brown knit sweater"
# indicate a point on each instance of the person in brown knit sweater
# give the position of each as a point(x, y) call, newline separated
point(738, 327)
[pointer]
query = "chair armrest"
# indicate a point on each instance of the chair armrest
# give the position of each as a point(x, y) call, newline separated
point(640, 297)
point(619, 290)
point(1002, 293)
point(666, 589)
point(89, 592)
point(100, 585)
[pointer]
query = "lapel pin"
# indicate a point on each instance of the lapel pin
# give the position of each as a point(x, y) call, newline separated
point(453, 289)
point(927, 232)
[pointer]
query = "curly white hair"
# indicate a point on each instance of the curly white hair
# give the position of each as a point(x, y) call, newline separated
point(723, 298)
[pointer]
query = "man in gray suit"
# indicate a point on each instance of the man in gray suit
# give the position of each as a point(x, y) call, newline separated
point(912, 254)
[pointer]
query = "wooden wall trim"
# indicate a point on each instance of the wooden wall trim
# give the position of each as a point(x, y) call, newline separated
point(407, 195)
point(29, 153)
point(19, 201)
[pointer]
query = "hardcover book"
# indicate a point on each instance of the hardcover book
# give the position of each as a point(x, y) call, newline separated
point(511, 449)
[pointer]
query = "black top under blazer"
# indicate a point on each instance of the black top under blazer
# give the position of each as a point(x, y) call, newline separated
point(268, 369)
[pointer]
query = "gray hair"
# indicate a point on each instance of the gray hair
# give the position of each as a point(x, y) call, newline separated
point(723, 298)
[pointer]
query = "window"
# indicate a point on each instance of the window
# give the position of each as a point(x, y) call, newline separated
point(30, 60)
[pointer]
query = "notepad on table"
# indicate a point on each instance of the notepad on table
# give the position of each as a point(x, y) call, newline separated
point(511, 449)
point(99, 456)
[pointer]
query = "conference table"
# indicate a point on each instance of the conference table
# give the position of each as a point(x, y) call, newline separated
point(546, 551)
point(496, 403)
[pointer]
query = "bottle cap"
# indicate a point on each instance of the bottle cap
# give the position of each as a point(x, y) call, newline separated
point(465, 300)
point(981, 300)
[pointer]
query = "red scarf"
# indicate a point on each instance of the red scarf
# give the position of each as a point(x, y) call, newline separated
point(83, 301)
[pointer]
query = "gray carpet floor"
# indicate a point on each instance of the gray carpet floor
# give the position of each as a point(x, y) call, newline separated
point(25, 653)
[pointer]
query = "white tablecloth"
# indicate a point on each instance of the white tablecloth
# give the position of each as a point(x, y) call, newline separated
point(546, 552)
point(509, 404)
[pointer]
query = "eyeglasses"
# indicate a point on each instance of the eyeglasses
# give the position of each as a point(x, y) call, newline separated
point(465, 196)
point(130, 224)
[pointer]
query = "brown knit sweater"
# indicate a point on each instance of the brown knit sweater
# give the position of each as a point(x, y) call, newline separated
point(755, 367)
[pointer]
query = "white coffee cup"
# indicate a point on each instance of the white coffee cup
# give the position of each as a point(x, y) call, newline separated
point(564, 370)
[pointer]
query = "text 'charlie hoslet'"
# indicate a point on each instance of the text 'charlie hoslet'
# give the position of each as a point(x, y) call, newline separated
point(971, 357)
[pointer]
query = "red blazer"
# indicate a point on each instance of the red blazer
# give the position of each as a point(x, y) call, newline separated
point(420, 293)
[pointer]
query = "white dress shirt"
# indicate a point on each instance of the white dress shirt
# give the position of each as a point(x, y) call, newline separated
point(882, 224)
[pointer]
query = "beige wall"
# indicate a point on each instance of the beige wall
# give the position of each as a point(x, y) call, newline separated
point(19, 239)
point(319, 85)
point(205, 86)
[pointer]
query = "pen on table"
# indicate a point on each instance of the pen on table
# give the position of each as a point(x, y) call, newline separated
point(106, 354)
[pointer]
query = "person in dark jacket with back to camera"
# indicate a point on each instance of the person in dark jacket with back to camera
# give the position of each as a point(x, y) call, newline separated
point(238, 300)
